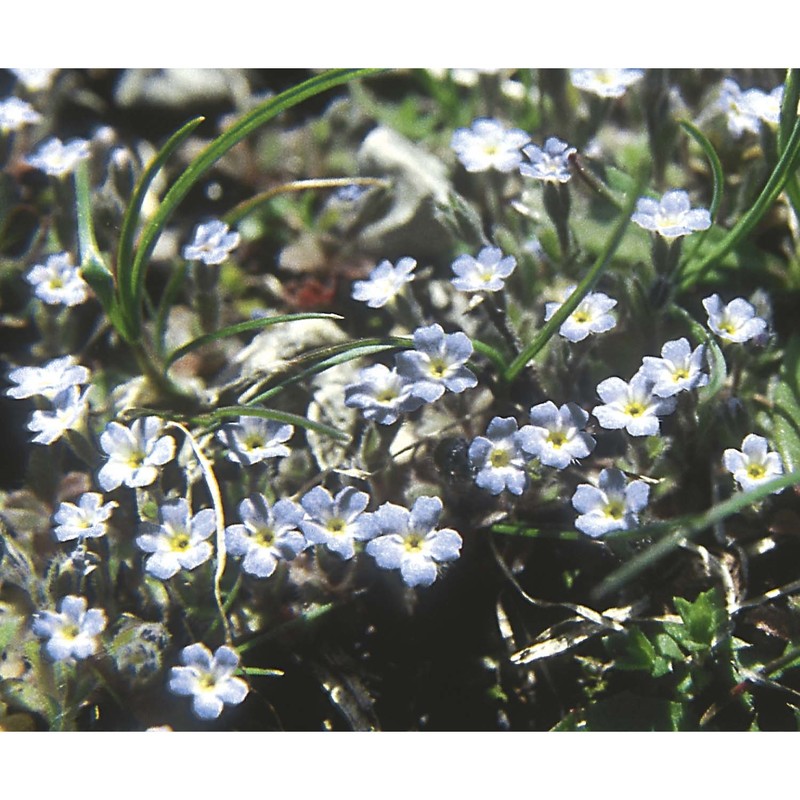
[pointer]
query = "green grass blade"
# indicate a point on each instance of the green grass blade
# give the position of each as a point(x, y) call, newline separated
point(685, 529)
point(130, 222)
point(791, 97)
point(692, 272)
point(786, 406)
point(218, 148)
point(228, 412)
point(489, 352)
point(240, 327)
point(583, 288)
point(713, 161)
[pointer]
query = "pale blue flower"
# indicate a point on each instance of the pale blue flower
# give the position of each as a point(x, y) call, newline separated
point(672, 216)
point(632, 406)
point(385, 282)
point(266, 535)
point(556, 436)
point(768, 106)
point(615, 505)
point(437, 363)
point(591, 315)
point(549, 163)
point(337, 522)
point(57, 158)
point(488, 144)
point(58, 281)
point(255, 439)
point(382, 394)
point(498, 458)
point(134, 454)
point(71, 632)
point(679, 368)
point(35, 79)
point(212, 243)
point(14, 113)
point(208, 680)
point(48, 380)
point(486, 273)
point(605, 82)
point(86, 520)
point(741, 109)
point(734, 322)
point(179, 541)
point(754, 464)
point(409, 541)
point(68, 412)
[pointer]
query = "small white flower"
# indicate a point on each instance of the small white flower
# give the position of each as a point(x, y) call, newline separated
point(591, 316)
point(679, 368)
point(605, 82)
point(337, 522)
point(556, 436)
point(179, 542)
point(35, 79)
point(59, 159)
point(632, 406)
point(740, 108)
point(208, 679)
point(734, 322)
point(254, 439)
point(47, 381)
point(134, 454)
point(486, 273)
point(212, 243)
point(498, 458)
point(382, 394)
point(385, 282)
point(488, 144)
point(86, 520)
point(68, 413)
point(768, 106)
point(615, 505)
point(550, 163)
point(14, 113)
point(754, 464)
point(58, 281)
point(672, 216)
point(72, 632)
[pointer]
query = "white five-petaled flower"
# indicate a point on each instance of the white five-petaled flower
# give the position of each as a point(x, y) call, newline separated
point(614, 505)
point(605, 82)
point(267, 534)
point(86, 520)
point(741, 109)
point(58, 281)
point(385, 282)
point(672, 216)
point(486, 273)
point(57, 158)
point(14, 113)
point(556, 436)
point(679, 368)
point(549, 163)
point(754, 464)
point(337, 522)
point(71, 632)
point(734, 322)
point(409, 541)
point(382, 394)
point(212, 243)
point(498, 458)
point(591, 316)
point(68, 412)
point(134, 454)
point(437, 363)
point(488, 144)
point(254, 439)
point(632, 406)
point(179, 542)
point(208, 680)
point(48, 380)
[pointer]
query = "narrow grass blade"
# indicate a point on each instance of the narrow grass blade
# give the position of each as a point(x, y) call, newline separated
point(685, 529)
point(131, 220)
point(240, 327)
point(493, 355)
point(231, 412)
point(791, 97)
point(786, 406)
point(217, 149)
point(583, 288)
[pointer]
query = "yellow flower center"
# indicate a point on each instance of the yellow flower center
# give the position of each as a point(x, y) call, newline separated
point(581, 317)
point(414, 542)
point(438, 368)
point(556, 438)
point(386, 395)
point(337, 526)
point(680, 374)
point(634, 409)
point(70, 631)
point(499, 458)
point(264, 537)
point(180, 541)
point(756, 471)
point(615, 509)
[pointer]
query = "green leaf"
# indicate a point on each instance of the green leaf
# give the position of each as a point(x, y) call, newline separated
point(704, 621)
point(786, 406)
point(629, 712)
point(637, 653)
